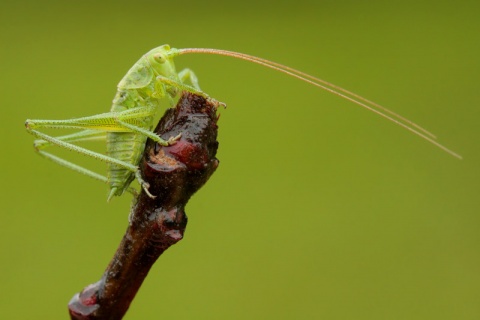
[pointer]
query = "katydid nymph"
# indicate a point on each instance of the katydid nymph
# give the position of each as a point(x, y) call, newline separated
point(140, 94)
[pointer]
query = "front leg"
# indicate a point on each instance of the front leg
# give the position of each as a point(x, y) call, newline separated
point(188, 75)
point(185, 87)
point(149, 134)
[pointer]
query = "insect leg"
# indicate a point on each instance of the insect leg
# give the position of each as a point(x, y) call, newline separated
point(130, 120)
point(75, 137)
point(186, 87)
point(72, 147)
point(102, 122)
point(181, 86)
point(78, 136)
point(188, 74)
point(149, 134)
point(112, 122)
point(83, 135)
point(95, 155)
point(72, 166)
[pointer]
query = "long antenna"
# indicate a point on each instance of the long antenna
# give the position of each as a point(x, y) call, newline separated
point(329, 87)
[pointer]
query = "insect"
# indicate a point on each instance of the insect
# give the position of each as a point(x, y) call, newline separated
point(151, 81)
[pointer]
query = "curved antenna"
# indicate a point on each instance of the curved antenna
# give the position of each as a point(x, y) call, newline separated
point(346, 92)
point(329, 87)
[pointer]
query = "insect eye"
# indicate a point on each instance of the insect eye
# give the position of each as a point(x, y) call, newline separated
point(160, 58)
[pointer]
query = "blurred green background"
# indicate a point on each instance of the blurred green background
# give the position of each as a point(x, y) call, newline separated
point(319, 209)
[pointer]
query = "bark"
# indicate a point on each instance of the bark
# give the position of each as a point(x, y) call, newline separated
point(174, 173)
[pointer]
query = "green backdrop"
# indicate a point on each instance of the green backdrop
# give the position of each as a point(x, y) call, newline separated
point(319, 209)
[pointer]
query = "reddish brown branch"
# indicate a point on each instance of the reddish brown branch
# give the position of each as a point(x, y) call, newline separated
point(175, 173)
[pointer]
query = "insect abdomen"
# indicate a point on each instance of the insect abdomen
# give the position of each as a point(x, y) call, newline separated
point(127, 147)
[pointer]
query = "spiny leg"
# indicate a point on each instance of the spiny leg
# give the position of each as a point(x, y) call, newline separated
point(75, 137)
point(72, 166)
point(72, 147)
point(79, 169)
point(85, 135)
point(128, 120)
point(188, 88)
point(188, 75)
point(95, 155)
point(149, 134)
point(124, 121)
point(99, 122)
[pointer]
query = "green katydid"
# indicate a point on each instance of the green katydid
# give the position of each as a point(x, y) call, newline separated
point(151, 80)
